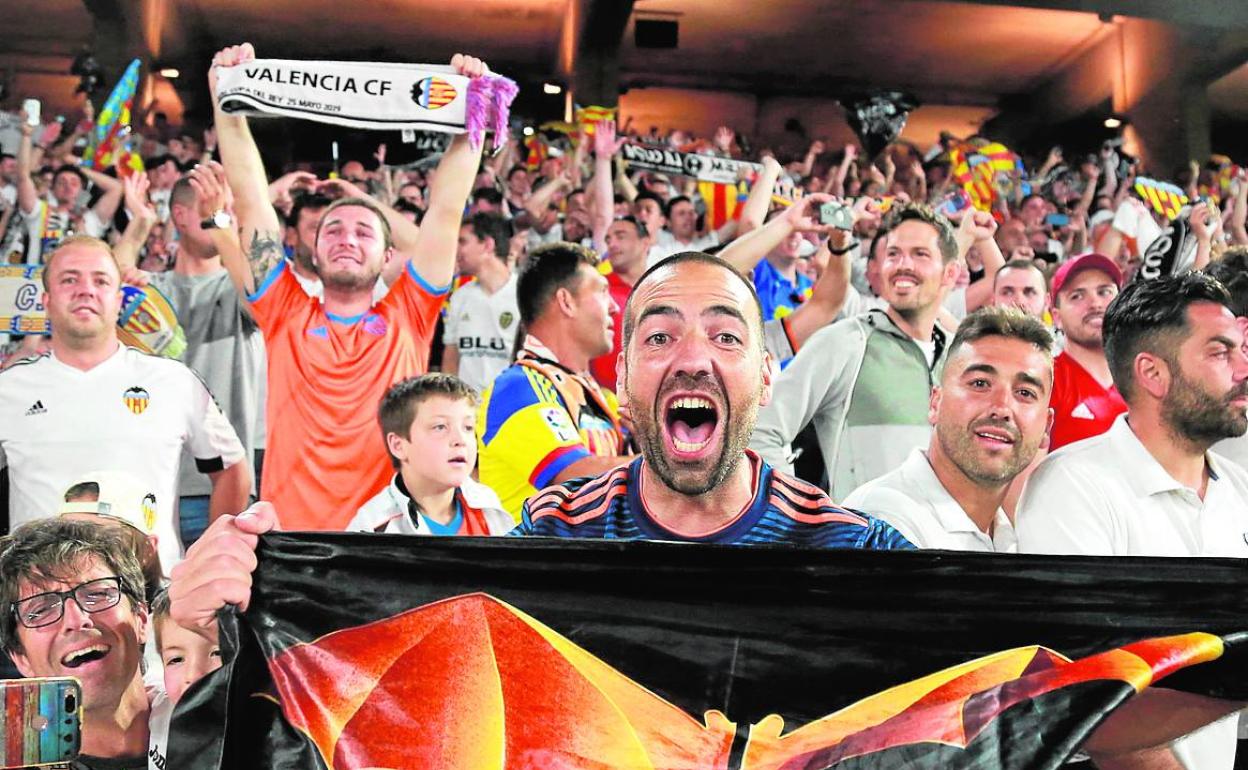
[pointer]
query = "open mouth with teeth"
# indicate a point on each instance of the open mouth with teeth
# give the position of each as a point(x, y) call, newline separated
point(692, 423)
point(86, 655)
point(995, 437)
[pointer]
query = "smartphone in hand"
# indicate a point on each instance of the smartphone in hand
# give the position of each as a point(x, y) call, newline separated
point(42, 722)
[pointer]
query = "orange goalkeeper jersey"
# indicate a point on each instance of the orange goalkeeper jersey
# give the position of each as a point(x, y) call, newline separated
point(325, 456)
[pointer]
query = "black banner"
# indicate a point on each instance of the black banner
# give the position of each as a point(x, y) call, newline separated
point(1171, 253)
point(704, 168)
point(878, 118)
point(390, 651)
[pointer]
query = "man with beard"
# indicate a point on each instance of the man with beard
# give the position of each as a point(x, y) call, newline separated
point(693, 374)
point(990, 413)
point(865, 382)
point(1150, 486)
point(329, 356)
point(1085, 402)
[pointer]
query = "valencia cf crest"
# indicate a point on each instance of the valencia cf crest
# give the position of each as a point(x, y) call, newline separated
point(136, 399)
point(505, 319)
point(433, 93)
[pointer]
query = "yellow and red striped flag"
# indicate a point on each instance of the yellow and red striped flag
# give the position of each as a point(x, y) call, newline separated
point(723, 202)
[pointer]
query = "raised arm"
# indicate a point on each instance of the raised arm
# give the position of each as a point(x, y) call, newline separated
point(836, 181)
point(27, 194)
point(828, 295)
point(212, 194)
point(107, 205)
point(142, 218)
point(541, 198)
point(623, 181)
point(260, 230)
point(808, 163)
point(1239, 213)
point(1206, 225)
point(433, 254)
point(605, 147)
point(748, 250)
point(977, 229)
point(754, 212)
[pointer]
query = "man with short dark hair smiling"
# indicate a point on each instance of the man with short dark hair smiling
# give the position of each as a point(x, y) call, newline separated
point(990, 413)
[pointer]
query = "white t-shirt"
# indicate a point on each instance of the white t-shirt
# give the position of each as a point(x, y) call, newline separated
point(955, 302)
point(482, 327)
point(553, 235)
point(55, 229)
point(665, 245)
point(857, 303)
point(929, 350)
point(913, 500)
point(1108, 496)
point(133, 413)
point(158, 727)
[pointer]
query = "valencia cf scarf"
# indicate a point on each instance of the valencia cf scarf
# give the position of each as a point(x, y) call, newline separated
point(370, 95)
point(372, 651)
point(704, 168)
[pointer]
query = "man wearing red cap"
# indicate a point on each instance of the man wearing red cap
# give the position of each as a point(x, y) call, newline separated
point(1085, 401)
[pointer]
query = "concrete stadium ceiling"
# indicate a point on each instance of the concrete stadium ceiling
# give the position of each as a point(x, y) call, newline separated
point(971, 53)
point(951, 53)
point(512, 33)
point(1229, 94)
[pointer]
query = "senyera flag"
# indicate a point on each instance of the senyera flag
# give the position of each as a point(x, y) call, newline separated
point(367, 651)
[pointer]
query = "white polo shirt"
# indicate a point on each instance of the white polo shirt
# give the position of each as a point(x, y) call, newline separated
point(133, 412)
point(1109, 496)
point(913, 500)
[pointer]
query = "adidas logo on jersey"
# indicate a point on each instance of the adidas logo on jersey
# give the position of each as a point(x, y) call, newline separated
point(36, 408)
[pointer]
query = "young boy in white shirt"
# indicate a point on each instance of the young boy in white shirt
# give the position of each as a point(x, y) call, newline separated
point(428, 425)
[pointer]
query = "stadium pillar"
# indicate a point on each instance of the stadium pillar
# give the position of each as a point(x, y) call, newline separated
point(589, 56)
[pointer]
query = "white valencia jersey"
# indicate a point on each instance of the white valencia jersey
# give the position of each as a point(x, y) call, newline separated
point(483, 328)
point(133, 413)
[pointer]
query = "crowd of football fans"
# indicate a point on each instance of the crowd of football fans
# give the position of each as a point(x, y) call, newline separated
point(422, 349)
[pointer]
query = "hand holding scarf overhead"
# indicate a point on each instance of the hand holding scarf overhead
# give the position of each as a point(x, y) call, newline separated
point(370, 95)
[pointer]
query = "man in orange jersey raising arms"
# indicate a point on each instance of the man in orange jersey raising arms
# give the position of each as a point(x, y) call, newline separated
point(330, 361)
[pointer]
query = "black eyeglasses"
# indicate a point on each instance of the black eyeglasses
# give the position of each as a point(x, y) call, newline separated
point(47, 608)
